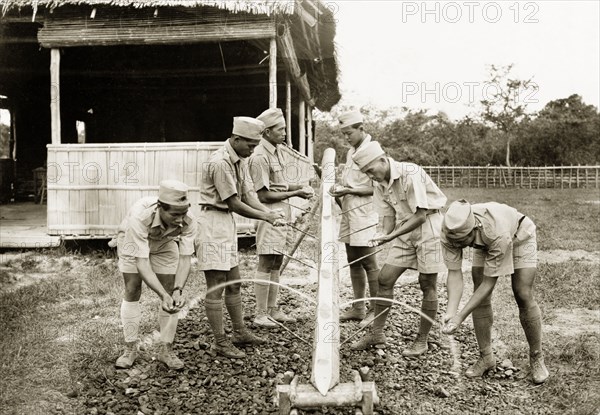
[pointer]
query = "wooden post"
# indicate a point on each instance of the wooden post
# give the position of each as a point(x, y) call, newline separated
point(586, 177)
point(487, 171)
point(309, 135)
point(302, 126)
point(325, 372)
point(597, 177)
point(55, 95)
point(452, 176)
point(288, 108)
point(273, 73)
point(577, 177)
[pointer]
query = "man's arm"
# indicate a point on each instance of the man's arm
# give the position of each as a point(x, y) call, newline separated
point(454, 287)
point(267, 196)
point(357, 191)
point(393, 229)
point(388, 224)
point(181, 276)
point(483, 291)
point(260, 212)
point(151, 280)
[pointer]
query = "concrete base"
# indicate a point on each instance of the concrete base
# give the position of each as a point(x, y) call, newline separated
point(23, 225)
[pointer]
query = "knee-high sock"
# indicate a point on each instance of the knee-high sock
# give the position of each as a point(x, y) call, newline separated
point(261, 291)
point(531, 321)
point(429, 309)
point(483, 318)
point(372, 279)
point(214, 313)
point(233, 302)
point(131, 315)
point(359, 285)
point(168, 325)
point(381, 307)
point(273, 289)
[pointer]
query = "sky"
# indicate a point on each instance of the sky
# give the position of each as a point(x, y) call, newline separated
point(436, 54)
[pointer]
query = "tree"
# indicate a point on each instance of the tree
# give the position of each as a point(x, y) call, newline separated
point(505, 106)
point(565, 131)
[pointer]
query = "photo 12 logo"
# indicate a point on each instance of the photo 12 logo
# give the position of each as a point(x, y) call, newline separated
point(469, 11)
point(469, 92)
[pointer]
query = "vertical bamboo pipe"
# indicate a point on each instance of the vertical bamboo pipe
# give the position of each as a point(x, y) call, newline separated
point(288, 109)
point(309, 134)
point(273, 73)
point(302, 126)
point(55, 95)
point(326, 352)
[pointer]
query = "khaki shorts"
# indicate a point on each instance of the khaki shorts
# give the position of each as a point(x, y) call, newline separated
point(216, 241)
point(164, 256)
point(270, 238)
point(522, 255)
point(421, 249)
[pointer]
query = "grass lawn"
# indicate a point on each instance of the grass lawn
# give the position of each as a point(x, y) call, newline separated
point(61, 328)
point(565, 219)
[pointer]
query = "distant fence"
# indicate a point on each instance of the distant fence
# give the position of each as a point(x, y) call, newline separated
point(561, 177)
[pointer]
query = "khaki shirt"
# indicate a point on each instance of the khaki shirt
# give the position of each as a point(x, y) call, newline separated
point(496, 226)
point(224, 175)
point(360, 213)
point(409, 188)
point(351, 175)
point(144, 230)
point(266, 168)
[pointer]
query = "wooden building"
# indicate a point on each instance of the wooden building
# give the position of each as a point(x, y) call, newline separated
point(113, 96)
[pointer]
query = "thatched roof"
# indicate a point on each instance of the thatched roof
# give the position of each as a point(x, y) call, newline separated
point(313, 36)
point(267, 7)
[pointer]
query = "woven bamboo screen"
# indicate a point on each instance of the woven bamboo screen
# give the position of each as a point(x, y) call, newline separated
point(91, 186)
point(115, 26)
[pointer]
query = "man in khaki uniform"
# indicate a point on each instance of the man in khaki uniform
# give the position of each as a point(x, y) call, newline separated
point(355, 197)
point(148, 252)
point(505, 243)
point(408, 204)
point(271, 184)
point(226, 187)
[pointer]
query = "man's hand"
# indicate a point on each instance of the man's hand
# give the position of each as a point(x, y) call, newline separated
point(379, 239)
point(169, 305)
point(178, 299)
point(306, 192)
point(338, 190)
point(451, 324)
point(276, 217)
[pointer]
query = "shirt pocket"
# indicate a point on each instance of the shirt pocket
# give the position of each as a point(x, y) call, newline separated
point(277, 175)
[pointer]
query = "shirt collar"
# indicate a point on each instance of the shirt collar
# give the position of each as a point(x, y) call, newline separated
point(365, 141)
point(156, 221)
point(233, 156)
point(394, 172)
point(268, 146)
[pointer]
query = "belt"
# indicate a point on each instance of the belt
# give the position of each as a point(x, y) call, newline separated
point(521, 219)
point(431, 212)
point(211, 207)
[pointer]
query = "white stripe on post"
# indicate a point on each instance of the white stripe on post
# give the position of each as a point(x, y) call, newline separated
point(326, 355)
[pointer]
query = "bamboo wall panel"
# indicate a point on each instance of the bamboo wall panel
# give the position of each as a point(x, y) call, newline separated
point(127, 27)
point(91, 186)
point(563, 177)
